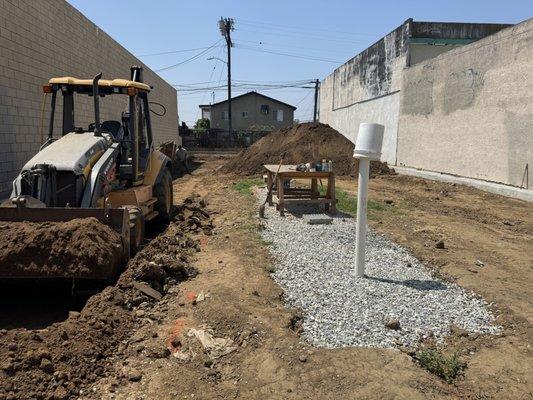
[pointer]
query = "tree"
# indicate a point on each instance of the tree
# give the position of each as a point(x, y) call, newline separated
point(202, 124)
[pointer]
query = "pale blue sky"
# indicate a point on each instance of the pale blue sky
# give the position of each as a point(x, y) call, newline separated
point(327, 32)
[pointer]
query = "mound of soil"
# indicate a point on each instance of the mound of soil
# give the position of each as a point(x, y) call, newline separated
point(81, 248)
point(59, 362)
point(303, 143)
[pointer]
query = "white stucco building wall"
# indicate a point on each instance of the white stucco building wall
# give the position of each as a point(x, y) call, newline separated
point(463, 110)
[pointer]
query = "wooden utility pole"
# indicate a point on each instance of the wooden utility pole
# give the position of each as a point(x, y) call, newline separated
point(226, 27)
point(316, 100)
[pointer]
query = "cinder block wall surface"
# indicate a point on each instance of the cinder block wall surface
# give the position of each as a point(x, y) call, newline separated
point(469, 112)
point(49, 38)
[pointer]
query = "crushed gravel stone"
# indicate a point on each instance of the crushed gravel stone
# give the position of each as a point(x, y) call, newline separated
point(315, 266)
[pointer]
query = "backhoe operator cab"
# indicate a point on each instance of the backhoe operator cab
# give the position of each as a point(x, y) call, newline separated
point(107, 164)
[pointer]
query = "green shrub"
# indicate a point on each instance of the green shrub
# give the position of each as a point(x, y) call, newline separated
point(448, 367)
point(245, 186)
point(348, 203)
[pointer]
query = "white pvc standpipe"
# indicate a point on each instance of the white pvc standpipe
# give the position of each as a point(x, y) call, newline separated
point(360, 235)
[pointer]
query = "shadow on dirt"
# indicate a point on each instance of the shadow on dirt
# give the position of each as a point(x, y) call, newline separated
point(37, 304)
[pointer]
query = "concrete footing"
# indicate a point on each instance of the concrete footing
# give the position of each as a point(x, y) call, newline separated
point(492, 187)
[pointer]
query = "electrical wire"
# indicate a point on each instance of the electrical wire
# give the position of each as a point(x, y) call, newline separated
point(303, 99)
point(295, 81)
point(210, 77)
point(160, 105)
point(301, 28)
point(303, 57)
point(261, 43)
point(322, 38)
point(302, 81)
point(243, 87)
point(189, 59)
point(173, 52)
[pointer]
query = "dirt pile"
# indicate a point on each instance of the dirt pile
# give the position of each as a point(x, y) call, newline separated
point(303, 143)
point(82, 248)
point(60, 361)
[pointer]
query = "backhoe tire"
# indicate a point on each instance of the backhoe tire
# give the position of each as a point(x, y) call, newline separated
point(136, 229)
point(165, 197)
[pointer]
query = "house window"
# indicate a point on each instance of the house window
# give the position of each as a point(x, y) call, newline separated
point(224, 116)
point(265, 109)
point(277, 115)
point(245, 114)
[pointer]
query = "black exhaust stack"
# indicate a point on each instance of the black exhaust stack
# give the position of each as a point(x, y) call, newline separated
point(96, 96)
point(136, 74)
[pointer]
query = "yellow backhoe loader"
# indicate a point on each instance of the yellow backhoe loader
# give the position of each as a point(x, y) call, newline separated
point(108, 170)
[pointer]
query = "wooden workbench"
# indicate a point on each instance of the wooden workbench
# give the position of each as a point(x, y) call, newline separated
point(300, 195)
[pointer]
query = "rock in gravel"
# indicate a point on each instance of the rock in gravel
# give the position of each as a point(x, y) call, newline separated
point(303, 358)
point(134, 375)
point(393, 324)
point(440, 244)
point(480, 263)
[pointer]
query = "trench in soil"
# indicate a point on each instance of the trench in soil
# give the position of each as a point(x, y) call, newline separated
point(37, 304)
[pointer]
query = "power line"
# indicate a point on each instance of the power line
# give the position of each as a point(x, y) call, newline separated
point(189, 59)
point(304, 57)
point(245, 86)
point(174, 51)
point(301, 28)
point(303, 98)
point(210, 77)
point(220, 78)
point(280, 82)
point(305, 36)
point(261, 43)
point(193, 85)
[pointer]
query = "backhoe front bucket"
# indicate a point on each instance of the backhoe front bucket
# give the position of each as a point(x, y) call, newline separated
point(76, 246)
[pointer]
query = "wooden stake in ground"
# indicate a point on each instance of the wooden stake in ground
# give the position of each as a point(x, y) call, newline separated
point(262, 206)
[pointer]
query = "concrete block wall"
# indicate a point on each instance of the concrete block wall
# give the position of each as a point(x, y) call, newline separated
point(469, 111)
point(49, 38)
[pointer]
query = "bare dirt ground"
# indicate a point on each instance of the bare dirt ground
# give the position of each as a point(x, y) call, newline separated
point(272, 362)
point(234, 295)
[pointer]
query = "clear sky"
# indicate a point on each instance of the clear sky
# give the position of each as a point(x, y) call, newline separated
point(314, 37)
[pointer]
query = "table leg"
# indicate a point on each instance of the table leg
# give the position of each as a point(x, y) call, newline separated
point(331, 189)
point(269, 184)
point(314, 192)
point(281, 196)
point(328, 195)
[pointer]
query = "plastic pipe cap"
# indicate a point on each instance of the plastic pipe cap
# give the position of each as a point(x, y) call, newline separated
point(369, 141)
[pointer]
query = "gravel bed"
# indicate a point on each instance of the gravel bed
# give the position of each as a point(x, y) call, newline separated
point(315, 266)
